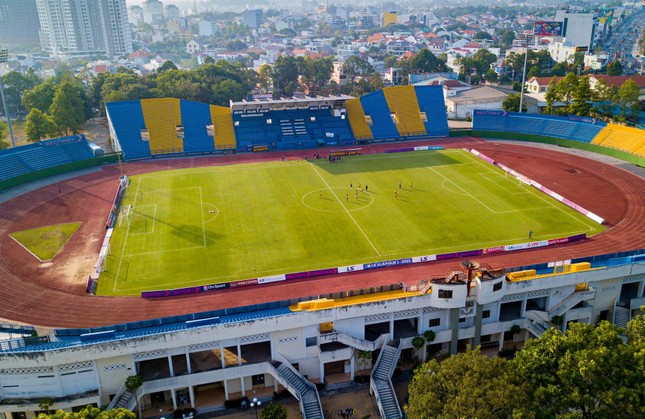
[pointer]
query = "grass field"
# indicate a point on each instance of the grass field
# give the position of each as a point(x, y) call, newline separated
point(223, 223)
point(45, 242)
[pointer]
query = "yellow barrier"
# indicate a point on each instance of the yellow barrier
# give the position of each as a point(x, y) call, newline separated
point(224, 134)
point(402, 100)
point(356, 116)
point(324, 303)
point(163, 121)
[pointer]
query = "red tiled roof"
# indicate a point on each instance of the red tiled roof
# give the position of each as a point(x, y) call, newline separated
point(617, 81)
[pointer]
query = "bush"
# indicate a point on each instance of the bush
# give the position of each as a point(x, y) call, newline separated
point(429, 336)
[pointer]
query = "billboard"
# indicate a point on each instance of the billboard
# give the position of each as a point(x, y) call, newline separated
point(547, 28)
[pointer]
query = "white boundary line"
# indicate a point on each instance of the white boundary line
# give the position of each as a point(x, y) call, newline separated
point(537, 193)
point(146, 215)
point(463, 190)
point(346, 210)
point(125, 241)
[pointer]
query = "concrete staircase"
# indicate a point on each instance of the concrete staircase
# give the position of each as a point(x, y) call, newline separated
point(535, 322)
point(122, 399)
point(571, 300)
point(621, 316)
point(381, 384)
point(309, 399)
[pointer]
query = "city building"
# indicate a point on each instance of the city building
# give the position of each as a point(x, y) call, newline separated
point(18, 22)
point(253, 18)
point(389, 18)
point(153, 12)
point(172, 12)
point(84, 27)
point(135, 14)
point(579, 29)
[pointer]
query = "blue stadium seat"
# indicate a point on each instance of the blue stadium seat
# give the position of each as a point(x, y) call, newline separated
point(375, 105)
point(195, 118)
point(431, 102)
point(127, 120)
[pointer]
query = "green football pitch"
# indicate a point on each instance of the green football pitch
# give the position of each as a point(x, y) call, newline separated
point(223, 223)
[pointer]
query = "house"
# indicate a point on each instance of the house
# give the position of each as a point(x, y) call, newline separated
point(539, 84)
point(437, 44)
point(193, 47)
point(462, 103)
point(617, 81)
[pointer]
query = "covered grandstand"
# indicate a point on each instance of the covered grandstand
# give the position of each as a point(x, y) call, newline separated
point(158, 127)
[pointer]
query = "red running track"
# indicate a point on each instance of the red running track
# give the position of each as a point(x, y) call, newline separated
point(53, 295)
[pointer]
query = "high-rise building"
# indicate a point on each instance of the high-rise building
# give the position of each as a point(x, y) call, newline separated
point(253, 18)
point(18, 22)
point(579, 29)
point(172, 12)
point(84, 27)
point(153, 12)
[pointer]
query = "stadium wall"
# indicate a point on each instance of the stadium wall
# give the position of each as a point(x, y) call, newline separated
point(572, 131)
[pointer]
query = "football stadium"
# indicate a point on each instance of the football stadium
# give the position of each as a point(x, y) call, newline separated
point(279, 249)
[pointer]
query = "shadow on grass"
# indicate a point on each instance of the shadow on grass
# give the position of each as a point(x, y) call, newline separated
point(379, 162)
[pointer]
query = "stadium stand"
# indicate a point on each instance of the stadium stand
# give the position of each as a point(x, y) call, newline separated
point(432, 105)
point(356, 116)
point(569, 128)
point(126, 122)
point(43, 155)
point(196, 118)
point(402, 101)
point(163, 120)
point(223, 133)
point(631, 140)
point(152, 127)
point(375, 106)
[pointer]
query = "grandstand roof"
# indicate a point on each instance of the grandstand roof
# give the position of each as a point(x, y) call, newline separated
point(285, 103)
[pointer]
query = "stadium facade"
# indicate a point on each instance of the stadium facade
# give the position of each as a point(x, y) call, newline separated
point(203, 359)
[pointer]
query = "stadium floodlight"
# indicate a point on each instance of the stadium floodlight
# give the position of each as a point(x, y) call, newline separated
point(4, 57)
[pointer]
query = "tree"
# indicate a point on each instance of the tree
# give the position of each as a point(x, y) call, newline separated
point(41, 96)
point(132, 384)
point(614, 68)
point(426, 62)
point(604, 96)
point(582, 98)
point(168, 65)
point(559, 69)
point(551, 95)
point(3, 130)
point(67, 108)
point(265, 75)
point(376, 82)
point(15, 85)
point(466, 385)
point(628, 98)
point(587, 372)
point(491, 76)
point(90, 412)
point(512, 103)
point(567, 88)
point(39, 125)
point(274, 411)
point(285, 75)
point(356, 66)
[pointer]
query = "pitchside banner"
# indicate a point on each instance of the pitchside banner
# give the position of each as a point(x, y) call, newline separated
point(547, 28)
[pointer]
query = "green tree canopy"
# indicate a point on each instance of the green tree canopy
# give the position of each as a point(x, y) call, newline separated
point(582, 98)
point(15, 85)
point(466, 385)
point(512, 103)
point(41, 96)
point(67, 108)
point(628, 97)
point(90, 412)
point(551, 95)
point(3, 130)
point(614, 68)
point(274, 411)
point(567, 88)
point(39, 125)
point(426, 62)
point(587, 372)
